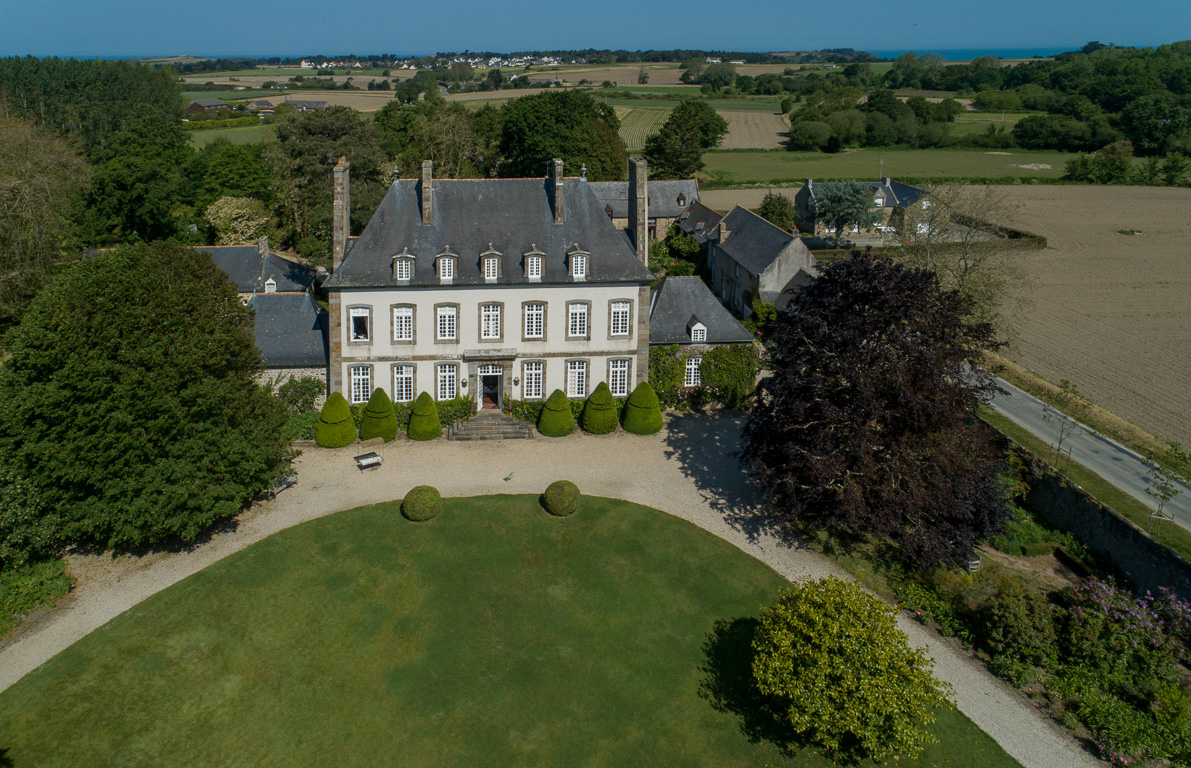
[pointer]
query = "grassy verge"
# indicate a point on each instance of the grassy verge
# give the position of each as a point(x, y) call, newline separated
point(247, 134)
point(1068, 400)
point(30, 587)
point(493, 635)
point(1103, 491)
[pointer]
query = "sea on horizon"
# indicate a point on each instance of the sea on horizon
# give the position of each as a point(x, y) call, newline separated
point(967, 54)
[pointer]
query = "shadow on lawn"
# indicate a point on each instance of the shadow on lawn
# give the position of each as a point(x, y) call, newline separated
point(706, 446)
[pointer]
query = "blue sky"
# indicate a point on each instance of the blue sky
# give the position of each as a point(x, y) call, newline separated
point(296, 27)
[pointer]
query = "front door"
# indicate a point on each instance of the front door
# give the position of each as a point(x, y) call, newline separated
point(490, 392)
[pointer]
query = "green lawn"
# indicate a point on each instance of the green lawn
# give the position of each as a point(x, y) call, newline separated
point(494, 635)
point(729, 167)
point(228, 95)
point(245, 134)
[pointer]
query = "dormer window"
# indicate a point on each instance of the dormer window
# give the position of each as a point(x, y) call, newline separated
point(608, 210)
point(446, 266)
point(490, 262)
point(270, 286)
point(579, 264)
point(697, 330)
point(533, 263)
point(681, 200)
point(403, 266)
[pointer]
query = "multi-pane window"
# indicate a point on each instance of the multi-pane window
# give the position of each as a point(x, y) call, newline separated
point(535, 321)
point(447, 327)
point(621, 311)
point(446, 268)
point(448, 380)
point(361, 323)
point(489, 321)
point(533, 267)
point(618, 377)
point(403, 323)
point(491, 268)
point(577, 319)
point(403, 383)
point(576, 378)
point(404, 269)
point(699, 334)
point(361, 383)
point(693, 379)
point(533, 373)
point(578, 265)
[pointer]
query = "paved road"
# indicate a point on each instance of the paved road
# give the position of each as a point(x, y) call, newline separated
point(1111, 460)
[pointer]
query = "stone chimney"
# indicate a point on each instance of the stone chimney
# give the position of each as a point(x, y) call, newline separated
point(341, 211)
point(557, 189)
point(722, 231)
point(427, 192)
point(639, 207)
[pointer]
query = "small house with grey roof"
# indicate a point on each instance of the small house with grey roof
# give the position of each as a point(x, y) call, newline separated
point(684, 312)
point(699, 222)
point(492, 288)
point(667, 201)
point(750, 258)
point(891, 198)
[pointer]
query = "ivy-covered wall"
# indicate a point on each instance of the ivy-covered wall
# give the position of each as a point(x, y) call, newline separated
point(728, 373)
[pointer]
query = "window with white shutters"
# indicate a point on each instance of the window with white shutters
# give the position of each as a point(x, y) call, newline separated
point(618, 377)
point(403, 383)
point(533, 374)
point(576, 378)
point(361, 383)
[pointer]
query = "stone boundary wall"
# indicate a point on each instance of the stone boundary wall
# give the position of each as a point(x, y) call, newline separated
point(1147, 562)
point(278, 376)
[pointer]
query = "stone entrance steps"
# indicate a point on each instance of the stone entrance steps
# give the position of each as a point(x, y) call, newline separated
point(490, 425)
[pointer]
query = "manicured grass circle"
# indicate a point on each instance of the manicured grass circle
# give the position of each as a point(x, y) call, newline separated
point(494, 637)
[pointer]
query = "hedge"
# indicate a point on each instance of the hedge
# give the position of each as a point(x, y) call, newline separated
point(423, 421)
point(643, 413)
point(557, 420)
point(562, 498)
point(422, 503)
point(379, 420)
point(335, 426)
point(600, 413)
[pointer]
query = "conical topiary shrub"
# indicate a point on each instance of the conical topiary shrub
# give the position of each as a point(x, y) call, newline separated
point(423, 420)
point(599, 413)
point(335, 426)
point(643, 413)
point(380, 420)
point(556, 419)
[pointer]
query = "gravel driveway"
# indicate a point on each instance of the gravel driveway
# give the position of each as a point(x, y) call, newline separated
point(687, 470)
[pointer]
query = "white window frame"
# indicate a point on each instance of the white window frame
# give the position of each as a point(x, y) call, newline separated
point(620, 320)
point(533, 267)
point(577, 378)
point(618, 377)
point(447, 314)
point(360, 379)
point(490, 322)
point(403, 320)
point(577, 320)
point(446, 384)
point(403, 383)
point(405, 269)
point(446, 268)
point(535, 320)
point(491, 268)
point(694, 374)
point(579, 266)
point(352, 314)
point(699, 334)
point(533, 377)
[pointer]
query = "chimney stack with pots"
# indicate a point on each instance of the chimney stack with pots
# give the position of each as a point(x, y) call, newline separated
point(341, 211)
point(639, 207)
point(557, 190)
point(427, 192)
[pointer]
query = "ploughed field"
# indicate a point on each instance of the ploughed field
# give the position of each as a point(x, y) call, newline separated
point(1109, 312)
point(493, 635)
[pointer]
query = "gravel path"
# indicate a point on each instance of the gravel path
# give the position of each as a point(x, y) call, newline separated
point(688, 470)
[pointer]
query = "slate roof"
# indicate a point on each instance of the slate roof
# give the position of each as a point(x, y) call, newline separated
point(290, 329)
point(663, 196)
point(895, 194)
point(307, 106)
point(289, 275)
point(243, 266)
point(752, 241)
point(210, 102)
point(699, 221)
point(510, 216)
point(677, 300)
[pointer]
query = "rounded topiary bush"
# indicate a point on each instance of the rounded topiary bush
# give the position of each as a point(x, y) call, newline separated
point(421, 503)
point(643, 412)
point(423, 420)
point(562, 498)
point(380, 420)
point(556, 419)
point(335, 427)
point(599, 413)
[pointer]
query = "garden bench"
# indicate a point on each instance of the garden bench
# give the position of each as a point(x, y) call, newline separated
point(280, 483)
point(370, 460)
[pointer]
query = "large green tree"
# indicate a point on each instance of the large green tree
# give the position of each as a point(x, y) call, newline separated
point(570, 125)
point(844, 204)
point(40, 181)
point(676, 151)
point(778, 210)
point(867, 425)
point(129, 409)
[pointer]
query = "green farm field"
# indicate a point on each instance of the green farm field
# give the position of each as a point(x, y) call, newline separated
point(245, 134)
point(725, 168)
point(637, 125)
point(228, 95)
point(493, 635)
